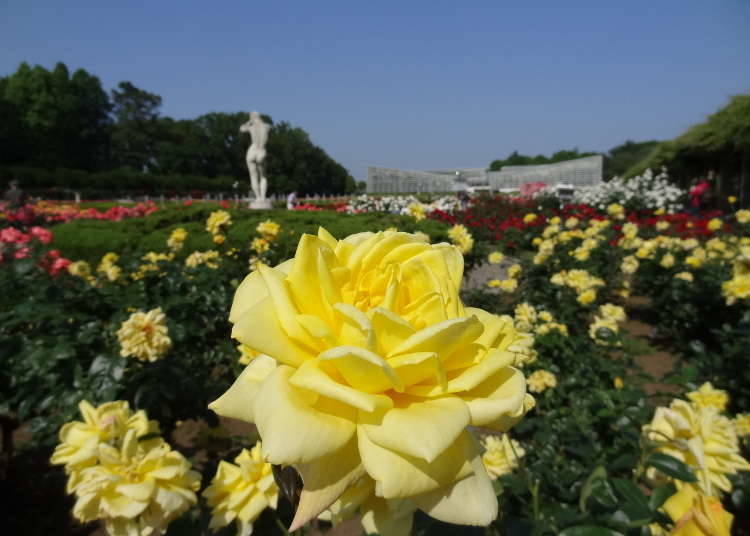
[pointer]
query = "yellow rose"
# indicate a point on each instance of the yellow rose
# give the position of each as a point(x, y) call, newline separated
point(732, 199)
point(701, 438)
point(586, 297)
point(685, 276)
point(629, 265)
point(616, 211)
point(540, 380)
point(461, 237)
point(737, 288)
point(714, 224)
point(176, 239)
point(217, 221)
point(706, 395)
point(240, 491)
point(662, 225)
point(268, 229)
point(79, 440)
point(741, 424)
point(260, 245)
point(667, 261)
point(501, 455)
point(495, 257)
point(697, 515)
point(618, 383)
point(373, 366)
point(145, 335)
point(219, 239)
point(529, 218)
point(134, 489)
point(508, 285)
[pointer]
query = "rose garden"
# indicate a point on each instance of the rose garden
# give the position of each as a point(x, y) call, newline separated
point(387, 365)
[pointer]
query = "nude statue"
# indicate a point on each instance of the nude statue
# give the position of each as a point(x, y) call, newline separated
point(256, 154)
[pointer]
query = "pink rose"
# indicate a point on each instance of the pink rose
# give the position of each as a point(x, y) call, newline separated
point(11, 235)
point(21, 253)
point(59, 265)
point(41, 234)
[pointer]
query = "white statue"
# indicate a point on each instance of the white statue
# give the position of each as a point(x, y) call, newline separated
point(256, 155)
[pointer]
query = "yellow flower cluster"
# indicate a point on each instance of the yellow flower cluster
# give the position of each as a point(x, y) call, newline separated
point(737, 288)
point(495, 257)
point(81, 269)
point(260, 245)
point(501, 454)
point(416, 211)
point(210, 258)
point(506, 285)
point(371, 372)
point(581, 281)
point(108, 267)
point(700, 437)
point(616, 211)
point(742, 216)
point(145, 335)
point(539, 380)
point(268, 229)
point(708, 396)
point(121, 475)
point(528, 319)
point(217, 223)
point(240, 491)
point(605, 324)
point(177, 239)
point(461, 237)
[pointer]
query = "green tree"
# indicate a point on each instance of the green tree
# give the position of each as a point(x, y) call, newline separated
point(295, 163)
point(622, 157)
point(515, 159)
point(136, 129)
point(63, 120)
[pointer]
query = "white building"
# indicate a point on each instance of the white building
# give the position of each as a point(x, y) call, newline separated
point(584, 171)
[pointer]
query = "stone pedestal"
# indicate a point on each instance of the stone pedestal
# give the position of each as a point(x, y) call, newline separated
point(260, 204)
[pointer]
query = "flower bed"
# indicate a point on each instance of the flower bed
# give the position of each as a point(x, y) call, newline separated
point(362, 365)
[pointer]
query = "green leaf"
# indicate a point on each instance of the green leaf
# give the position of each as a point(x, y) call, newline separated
point(633, 496)
point(589, 530)
point(597, 474)
point(671, 466)
point(660, 495)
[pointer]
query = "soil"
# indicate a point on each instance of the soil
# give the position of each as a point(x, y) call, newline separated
point(657, 364)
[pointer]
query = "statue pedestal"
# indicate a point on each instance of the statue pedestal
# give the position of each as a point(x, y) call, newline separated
point(260, 204)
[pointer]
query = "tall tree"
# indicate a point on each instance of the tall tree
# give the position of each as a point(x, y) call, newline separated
point(136, 129)
point(65, 118)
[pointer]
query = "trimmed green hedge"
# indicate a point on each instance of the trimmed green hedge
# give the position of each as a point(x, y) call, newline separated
point(61, 183)
point(90, 239)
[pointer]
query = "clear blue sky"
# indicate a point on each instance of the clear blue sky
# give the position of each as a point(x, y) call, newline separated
point(412, 85)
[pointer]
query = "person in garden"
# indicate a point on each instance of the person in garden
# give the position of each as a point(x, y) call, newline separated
point(291, 200)
point(15, 196)
point(700, 194)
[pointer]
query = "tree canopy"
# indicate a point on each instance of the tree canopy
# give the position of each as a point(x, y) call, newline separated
point(50, 119)
point(721, 143)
